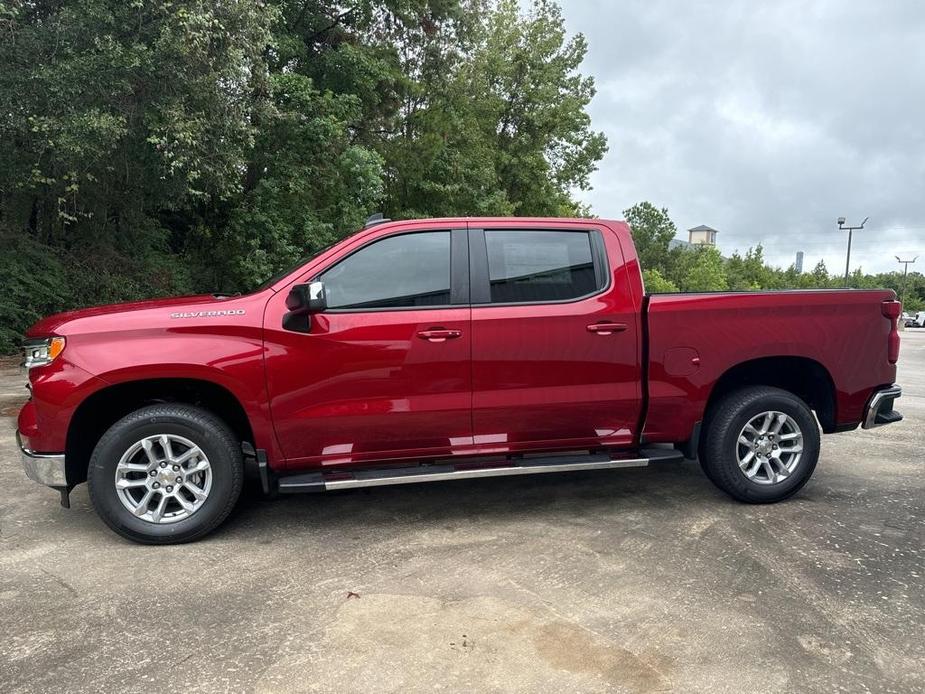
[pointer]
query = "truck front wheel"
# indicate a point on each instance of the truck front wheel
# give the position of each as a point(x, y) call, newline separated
point(165, 474)
point(761, 444)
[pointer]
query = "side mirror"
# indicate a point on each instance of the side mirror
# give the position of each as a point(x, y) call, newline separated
point(307, 298)
point(302, 302)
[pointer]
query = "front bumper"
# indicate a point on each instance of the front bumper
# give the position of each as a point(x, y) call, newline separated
point(44, 468)
point(880, 408)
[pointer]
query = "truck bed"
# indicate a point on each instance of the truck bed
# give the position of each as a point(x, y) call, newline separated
point(694, 338)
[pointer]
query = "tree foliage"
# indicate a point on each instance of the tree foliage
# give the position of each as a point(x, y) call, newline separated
point(705, 271)
point(656, 283)
point(653, 231)
point(150, 147)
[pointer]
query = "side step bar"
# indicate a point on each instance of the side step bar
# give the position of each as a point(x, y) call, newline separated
point(381, 477)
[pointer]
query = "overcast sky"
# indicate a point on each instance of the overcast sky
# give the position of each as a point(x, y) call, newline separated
point(764, 120)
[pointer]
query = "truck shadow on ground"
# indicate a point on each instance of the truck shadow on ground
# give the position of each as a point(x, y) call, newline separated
point(666, 487)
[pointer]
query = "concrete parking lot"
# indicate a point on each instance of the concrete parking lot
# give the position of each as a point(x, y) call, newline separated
point(625, 581)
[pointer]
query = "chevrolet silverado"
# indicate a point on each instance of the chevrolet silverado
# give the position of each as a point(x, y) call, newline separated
point(445, 349)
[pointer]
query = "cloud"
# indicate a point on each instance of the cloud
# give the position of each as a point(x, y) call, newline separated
point(765, 120)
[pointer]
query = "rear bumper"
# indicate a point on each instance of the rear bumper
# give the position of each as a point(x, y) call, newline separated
point(44, 468)
point(880, 408)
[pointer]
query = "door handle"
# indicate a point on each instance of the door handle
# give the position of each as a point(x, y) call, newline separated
point(439, 334)
point(606, 328)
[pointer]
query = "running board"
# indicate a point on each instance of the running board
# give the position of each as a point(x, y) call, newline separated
point(382, 477)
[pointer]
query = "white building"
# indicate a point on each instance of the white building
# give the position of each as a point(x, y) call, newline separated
point(702, 235)
point(698, 236)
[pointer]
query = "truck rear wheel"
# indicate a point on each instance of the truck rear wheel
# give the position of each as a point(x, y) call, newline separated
point(165, 474)
point(761, 444)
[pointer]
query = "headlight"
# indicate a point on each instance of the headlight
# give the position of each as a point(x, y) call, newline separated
point(42, 350)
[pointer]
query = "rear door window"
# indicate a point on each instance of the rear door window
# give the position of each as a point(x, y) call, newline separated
point(540, 266)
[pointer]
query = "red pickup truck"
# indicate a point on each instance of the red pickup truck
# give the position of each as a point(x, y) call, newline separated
point(445, 349)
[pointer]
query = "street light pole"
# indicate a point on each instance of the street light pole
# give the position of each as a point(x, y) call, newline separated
point(850, 230)
point(905, 264)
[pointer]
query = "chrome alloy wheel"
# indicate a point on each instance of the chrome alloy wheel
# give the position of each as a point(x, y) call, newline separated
point(769, 447)
point(163, 478)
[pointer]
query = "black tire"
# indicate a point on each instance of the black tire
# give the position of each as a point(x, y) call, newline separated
point(726, 421)
point(199, 426)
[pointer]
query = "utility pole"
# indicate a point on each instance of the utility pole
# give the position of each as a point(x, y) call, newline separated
point(905, 264)
point(850, 230)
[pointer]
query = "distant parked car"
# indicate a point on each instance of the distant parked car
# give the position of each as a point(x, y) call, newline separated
point(918, 321)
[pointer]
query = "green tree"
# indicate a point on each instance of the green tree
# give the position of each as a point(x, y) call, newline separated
point(493, 116)
point(750, 272)
point(913, 303)
point(110, 110)
point(532, 101)
point(819, 278)
point(438, 159)
point(314, 185)
point(655, 283)
point(652, 231)
point(911, 288)
point(313, 173)
point(706, 271)
point(118, 121)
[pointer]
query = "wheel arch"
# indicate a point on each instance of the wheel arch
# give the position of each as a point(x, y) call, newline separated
point(804, 377)
point(104, 407)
